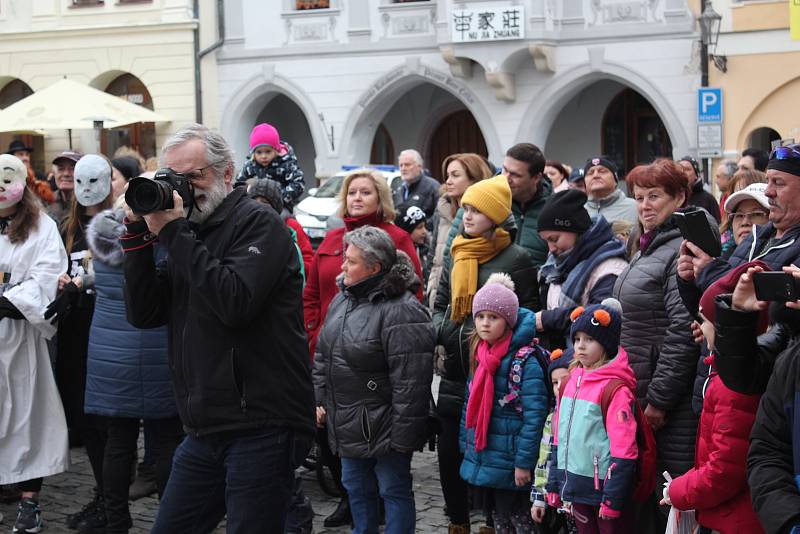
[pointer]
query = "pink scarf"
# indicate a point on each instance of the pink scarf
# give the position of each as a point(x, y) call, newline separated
point(481, 390)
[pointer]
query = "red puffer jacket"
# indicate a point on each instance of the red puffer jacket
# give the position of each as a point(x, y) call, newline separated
point(717, 485)
point(327, 264)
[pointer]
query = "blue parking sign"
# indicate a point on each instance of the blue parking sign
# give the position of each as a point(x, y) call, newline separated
point(709, 104)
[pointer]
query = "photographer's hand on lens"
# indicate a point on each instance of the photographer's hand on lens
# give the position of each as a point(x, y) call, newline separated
point(744, 294)
point(62, 304)
point(159, 219)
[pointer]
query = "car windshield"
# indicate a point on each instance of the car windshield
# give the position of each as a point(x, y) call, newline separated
point(330, 188)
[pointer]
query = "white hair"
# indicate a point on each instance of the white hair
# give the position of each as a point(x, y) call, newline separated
point(218, 151)
point(413, 153)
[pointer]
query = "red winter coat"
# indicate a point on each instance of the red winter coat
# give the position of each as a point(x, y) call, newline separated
point(303, 242)
point(327, 264)
point(716, 487)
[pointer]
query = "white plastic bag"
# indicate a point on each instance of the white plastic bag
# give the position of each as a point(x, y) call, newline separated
point(679, 521)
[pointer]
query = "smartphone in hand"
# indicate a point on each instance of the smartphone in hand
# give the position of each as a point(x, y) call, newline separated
point(775, 286)
point(695, 227)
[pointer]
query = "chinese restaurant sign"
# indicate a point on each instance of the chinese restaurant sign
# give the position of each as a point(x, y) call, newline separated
point(474, 24)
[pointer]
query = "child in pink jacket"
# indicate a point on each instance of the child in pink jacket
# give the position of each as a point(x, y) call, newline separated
point(594, 454)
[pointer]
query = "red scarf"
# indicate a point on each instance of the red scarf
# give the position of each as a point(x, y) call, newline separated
point(372, 219)
point(481, 390)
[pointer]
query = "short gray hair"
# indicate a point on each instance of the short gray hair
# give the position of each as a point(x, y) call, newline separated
point(730, 167)
point(416, 155)
point(377, 248)
point(218, 151)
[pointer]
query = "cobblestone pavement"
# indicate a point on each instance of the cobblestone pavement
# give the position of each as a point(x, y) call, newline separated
point(66, 493)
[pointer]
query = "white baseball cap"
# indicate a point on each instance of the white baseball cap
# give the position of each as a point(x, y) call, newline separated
point(751, 192)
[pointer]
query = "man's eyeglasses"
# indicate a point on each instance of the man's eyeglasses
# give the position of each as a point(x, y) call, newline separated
point(785, 152)
point(755, 216)
point(197, 174)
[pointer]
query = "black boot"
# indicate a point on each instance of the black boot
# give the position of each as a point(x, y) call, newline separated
point(341, 516)
point(89, 509)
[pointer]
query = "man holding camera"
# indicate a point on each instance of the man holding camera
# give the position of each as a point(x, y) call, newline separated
point(231, 293)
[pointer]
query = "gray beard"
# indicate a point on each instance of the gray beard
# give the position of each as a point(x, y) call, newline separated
point(214, 197)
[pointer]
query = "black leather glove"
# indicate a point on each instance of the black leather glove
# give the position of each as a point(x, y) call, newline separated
point(9, 310)
point(62, 304)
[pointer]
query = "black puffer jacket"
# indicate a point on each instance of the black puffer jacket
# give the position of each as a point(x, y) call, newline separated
point(453, 363)
point(656, 333)
point(372, 365)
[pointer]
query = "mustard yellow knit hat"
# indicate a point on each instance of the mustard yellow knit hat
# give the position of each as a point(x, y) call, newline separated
point(492, 197)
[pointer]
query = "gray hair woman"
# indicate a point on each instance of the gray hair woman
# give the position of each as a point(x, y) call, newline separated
point(375, 346)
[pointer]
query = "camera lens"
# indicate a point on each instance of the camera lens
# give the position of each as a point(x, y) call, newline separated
point(144, 195)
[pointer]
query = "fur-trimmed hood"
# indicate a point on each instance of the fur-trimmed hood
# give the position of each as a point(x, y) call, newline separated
point(103, 236)
point(392, 283)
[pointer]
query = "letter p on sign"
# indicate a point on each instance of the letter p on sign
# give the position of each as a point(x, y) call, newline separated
point(709, 104)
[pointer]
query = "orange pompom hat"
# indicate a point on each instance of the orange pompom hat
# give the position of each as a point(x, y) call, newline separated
point(601, 321)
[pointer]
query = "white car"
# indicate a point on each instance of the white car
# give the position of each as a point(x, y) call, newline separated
point(316, 213)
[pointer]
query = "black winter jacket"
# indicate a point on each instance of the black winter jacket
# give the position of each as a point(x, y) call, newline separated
point(453, 365)
point(656, 333)
point(373, 366)
point(423, 193)
point(232, 297)
point(703, 199)
point(768, 364)
point(773, 462)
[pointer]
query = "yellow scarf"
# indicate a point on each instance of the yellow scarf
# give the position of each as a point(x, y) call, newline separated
point(467, 254)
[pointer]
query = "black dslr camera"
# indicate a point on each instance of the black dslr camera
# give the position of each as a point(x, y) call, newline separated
point(146, 196)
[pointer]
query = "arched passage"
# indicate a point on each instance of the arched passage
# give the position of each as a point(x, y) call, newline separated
point(410, 104)
point(281, 112)
point(432, 121)
point(543, 117)
point(140, 136)
point(762, 138)
point(254, 102)
point(13, 90)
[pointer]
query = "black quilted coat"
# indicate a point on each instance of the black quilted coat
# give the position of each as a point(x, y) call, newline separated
point(656, 333)
point(373, 366)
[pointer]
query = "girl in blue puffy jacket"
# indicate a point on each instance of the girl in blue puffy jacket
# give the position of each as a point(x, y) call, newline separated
point(506, 404)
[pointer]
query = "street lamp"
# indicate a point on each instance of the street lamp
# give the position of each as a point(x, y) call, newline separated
point(710, 22)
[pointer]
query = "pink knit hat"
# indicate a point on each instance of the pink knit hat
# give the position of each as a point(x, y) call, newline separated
point(497, 295)
point(266, 135)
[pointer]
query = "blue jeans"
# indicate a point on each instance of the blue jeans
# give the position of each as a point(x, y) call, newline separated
point(248, 474)
point(364, 478)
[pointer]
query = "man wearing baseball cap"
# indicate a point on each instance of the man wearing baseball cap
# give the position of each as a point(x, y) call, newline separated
point(64, 170)
point(605, 198)
point(776, 243)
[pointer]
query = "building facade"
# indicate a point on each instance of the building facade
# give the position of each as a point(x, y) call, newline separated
point(357, 81)
point(762, 78)
point(142, 50)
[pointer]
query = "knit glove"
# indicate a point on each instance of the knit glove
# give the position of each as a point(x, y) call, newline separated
point(7, 309)
point(62, 304)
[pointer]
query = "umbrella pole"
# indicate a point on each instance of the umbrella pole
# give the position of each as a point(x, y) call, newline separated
point(69, 136)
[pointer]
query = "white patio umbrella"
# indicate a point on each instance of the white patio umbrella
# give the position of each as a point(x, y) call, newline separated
point(69, 105)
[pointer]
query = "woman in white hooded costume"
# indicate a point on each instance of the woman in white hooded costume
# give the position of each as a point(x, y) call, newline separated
point(33, 431)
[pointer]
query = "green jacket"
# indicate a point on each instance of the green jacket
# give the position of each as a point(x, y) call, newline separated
point(528, 224)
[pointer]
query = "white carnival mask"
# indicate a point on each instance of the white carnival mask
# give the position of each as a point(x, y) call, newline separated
point(13, 174)
point(92, 180)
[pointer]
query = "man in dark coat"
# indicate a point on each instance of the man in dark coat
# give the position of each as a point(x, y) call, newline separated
point(699, 196)
point(231, 296)
point(415, 188)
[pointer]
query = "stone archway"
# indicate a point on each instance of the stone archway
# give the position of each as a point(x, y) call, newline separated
point(549, 103)
point(390, 89)
point(256, 96)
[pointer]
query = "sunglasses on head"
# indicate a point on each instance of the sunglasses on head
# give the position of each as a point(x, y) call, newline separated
point(785, 152)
